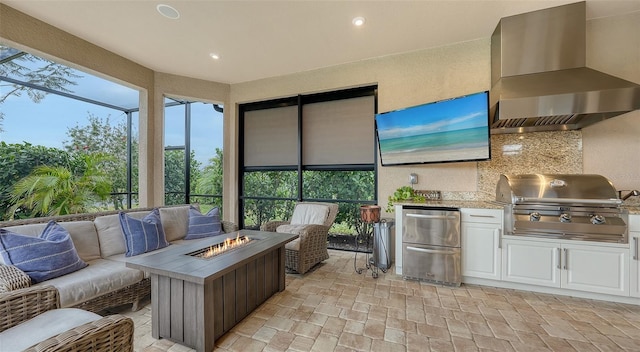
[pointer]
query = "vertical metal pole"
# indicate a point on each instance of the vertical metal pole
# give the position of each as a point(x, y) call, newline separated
point(187, 152)
point(300, 142)
point(129, 160)
point(375, 147)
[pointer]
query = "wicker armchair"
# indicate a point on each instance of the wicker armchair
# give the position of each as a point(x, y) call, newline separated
point(311, 247)
point(21, 307)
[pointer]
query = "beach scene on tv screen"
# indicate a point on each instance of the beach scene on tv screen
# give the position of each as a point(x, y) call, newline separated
point(444, 131)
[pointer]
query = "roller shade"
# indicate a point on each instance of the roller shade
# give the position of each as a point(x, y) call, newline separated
point(271, 137)
point(339, 132)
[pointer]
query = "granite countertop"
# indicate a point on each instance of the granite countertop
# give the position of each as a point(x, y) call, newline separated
point(633, 209)
point(456, 204)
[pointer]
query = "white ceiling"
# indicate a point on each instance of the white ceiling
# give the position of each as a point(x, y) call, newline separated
point(259, 39)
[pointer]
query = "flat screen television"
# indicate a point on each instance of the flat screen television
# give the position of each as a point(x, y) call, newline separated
point(449, 130)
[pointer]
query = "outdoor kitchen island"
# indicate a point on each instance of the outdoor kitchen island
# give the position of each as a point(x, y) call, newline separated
point(196, 300)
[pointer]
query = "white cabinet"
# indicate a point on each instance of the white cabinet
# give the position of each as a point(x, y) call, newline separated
point(634, 240)
point(596, 269)
point(480, 241)
point(593, 267)
point(531, 262)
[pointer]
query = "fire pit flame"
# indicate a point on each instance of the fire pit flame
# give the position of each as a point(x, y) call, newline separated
point(227, 245)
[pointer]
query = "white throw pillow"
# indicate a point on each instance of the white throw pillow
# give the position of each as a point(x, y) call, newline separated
point(310, 214)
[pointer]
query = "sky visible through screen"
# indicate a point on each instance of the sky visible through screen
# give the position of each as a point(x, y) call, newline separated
point(47, 122)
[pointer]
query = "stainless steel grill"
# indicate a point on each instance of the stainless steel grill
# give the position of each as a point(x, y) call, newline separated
point(580, 207)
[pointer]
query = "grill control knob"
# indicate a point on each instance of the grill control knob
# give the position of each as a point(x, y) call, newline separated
point(564, 217)
point(535, 216)
point(598, 219)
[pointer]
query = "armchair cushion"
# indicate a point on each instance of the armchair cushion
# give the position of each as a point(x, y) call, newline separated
point(201, 226)
point(294, 229)
point(44, 326)
point(309, 213)
point(47, 256)
point(143, 235)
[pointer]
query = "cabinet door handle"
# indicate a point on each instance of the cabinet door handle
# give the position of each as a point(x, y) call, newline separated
point(566, 259)
point(635, 253)
point(426, 216)
point(481, 216)
point(559, 259)
point(497, 234)
point(432, 251)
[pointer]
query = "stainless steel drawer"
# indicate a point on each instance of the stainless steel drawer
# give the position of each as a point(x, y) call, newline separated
point(432, 263)
point(437, 226)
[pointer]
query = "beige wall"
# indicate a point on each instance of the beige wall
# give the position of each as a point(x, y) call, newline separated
point(403, 80)
point(612, 147)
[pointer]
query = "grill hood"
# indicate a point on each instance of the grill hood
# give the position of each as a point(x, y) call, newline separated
point(539, 78)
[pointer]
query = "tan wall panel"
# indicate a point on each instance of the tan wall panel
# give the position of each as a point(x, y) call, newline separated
point(403, 80)
point(611, 147)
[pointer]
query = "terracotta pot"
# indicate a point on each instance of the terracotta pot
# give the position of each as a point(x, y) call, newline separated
point(370, 213)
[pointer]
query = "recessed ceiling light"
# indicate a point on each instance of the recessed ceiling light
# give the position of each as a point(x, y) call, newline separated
point(214, 56)
point(358, 21)
point(168, 11)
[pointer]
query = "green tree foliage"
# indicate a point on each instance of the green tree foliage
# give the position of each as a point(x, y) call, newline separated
point(18, 160)
point(100, 135)
point(174, 175)
point(210, 181)
point(279, 184)
point(344, 185)
point(356, 186)
point(60, 190)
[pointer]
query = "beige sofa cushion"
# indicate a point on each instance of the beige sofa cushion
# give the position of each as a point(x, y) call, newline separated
point(83, 234)
point(175, 222)
point(100, 277)
point(110, 233)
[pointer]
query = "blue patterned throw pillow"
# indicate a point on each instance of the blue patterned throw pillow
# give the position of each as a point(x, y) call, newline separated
point(45, 257)
point(142, 235)
point(201, 226)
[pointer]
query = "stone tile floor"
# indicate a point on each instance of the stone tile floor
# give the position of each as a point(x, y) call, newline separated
point(332, 308)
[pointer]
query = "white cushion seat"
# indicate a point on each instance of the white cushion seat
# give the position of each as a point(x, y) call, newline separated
point(44, 326)
point(100, 277)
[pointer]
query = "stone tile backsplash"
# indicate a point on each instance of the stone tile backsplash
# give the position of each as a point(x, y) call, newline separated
point(556, 152)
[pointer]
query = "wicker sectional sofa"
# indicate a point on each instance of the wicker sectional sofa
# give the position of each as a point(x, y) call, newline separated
point(106, 281)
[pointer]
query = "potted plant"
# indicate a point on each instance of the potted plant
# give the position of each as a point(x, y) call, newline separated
point(404, 194)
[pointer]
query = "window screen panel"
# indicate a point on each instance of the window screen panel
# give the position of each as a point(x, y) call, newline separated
point(339, 132)
point(271, 137)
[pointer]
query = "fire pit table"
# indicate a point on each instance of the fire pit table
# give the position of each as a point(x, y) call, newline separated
point(195, 299)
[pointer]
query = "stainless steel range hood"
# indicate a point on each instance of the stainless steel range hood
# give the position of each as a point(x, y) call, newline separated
point(539, 78)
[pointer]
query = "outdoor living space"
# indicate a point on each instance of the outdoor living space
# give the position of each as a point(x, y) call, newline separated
point(332, 308)
point(140, 113)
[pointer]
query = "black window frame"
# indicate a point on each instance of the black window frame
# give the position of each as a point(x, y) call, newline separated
point(299, 101)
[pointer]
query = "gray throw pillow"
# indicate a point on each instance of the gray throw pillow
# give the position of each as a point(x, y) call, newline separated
point(201, 226)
